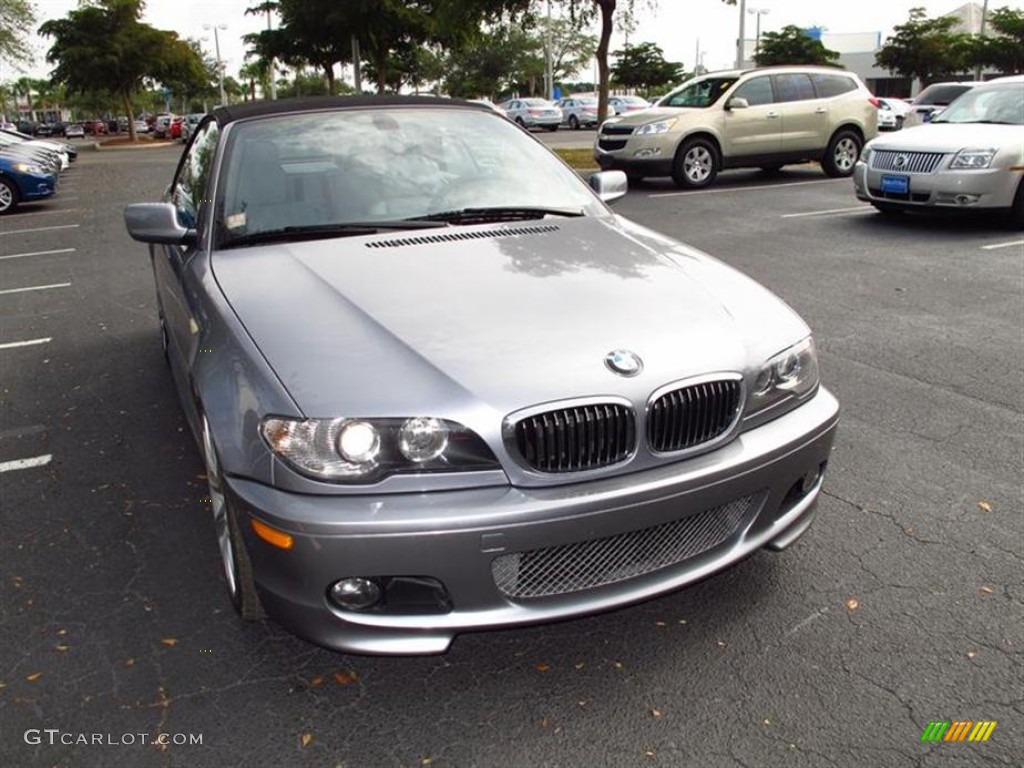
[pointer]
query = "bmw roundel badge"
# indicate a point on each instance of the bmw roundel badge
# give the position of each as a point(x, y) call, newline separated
point(623, 362)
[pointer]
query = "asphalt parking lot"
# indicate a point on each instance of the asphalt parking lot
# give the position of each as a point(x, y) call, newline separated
point(902, 605)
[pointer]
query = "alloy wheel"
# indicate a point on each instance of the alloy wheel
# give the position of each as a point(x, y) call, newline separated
point(697, 164)
point(846, 154)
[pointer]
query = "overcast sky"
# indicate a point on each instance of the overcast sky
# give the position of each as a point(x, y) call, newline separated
point(675, 25)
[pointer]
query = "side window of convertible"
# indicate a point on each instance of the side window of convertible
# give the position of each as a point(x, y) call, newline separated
point(190, 188)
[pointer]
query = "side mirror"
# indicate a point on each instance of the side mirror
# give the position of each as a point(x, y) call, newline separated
point(737, 102)
point(156, 223)
point(609, 185)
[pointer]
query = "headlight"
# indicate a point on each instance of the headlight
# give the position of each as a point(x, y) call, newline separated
point(29, 168)
point(651, 129)
point(973, 158)
point(368, 450)
point(787, 376)
point(865, 154)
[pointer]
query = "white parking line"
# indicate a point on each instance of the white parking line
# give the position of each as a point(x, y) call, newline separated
point(35, 461)
point(43, 213)
point(29, 343)
point(744, 189)
point(994, 246)
point(40, 229)
point(37, 253)
point(34, 288)
point(830, 212)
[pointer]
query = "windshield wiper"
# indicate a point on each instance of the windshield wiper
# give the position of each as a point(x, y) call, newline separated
point(325, 231)
point(496, 213)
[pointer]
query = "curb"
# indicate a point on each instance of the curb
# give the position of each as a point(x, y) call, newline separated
point(95, 146)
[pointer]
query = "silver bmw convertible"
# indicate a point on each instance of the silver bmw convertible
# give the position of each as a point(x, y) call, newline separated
point(439, 386)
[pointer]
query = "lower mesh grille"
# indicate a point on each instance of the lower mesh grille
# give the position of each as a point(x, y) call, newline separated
point(587, 564)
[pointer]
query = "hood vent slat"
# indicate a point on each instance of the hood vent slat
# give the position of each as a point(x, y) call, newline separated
point(449, 237)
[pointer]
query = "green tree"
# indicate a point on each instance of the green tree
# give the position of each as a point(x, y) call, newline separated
point(17, 18)
point(926, 48)
point(643, 66)
point(791, 45)
point(106, 47)
point(1004, 50)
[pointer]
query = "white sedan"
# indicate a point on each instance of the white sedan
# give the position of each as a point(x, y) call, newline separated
point(533, 113)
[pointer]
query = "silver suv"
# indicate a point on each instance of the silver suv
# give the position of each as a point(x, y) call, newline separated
point(764, 118)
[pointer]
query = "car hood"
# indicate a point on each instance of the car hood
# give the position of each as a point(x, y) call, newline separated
point(950, 137)
point(652, 114)
point(499, 318)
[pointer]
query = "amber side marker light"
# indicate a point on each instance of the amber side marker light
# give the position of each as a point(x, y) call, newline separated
point(272, 535)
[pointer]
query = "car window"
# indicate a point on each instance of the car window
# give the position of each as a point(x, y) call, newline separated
point(940, 95)
point(698, 93)
point(828, 85)
point(189, 188)
point(756, 91)
point(991, 104)
point(291, 171)
point(793, 87)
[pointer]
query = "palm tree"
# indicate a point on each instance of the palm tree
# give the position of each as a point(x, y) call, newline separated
point(25, 85)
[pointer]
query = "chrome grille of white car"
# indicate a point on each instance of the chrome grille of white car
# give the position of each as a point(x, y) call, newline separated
point(588, 564)
point(905, 162)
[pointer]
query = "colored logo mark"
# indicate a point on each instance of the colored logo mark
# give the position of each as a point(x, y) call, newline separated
point(958, 730)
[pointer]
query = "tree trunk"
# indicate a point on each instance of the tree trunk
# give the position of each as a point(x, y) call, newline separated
point(382, 75)
point(329, 74)
point(607, 11)
point(126, 100)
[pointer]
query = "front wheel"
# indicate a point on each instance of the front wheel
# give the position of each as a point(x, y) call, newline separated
point(8, 196)
point(233, 554)
point(696, 164)
point(842, 154)
point(574, 122)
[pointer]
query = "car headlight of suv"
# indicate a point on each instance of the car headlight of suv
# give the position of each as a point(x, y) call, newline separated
point(783, 381)
point(367, 450)
point(972, 159)
point(653, 129)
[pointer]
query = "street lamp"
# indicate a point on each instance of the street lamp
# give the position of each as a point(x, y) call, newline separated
point(220, 66)
point(743, 32)
point(759, 12)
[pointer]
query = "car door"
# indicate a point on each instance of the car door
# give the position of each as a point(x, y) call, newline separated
point(755, 130)
point(189, 195)
point(804, 115)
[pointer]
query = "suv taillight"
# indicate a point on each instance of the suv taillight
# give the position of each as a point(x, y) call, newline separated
point(875, 102)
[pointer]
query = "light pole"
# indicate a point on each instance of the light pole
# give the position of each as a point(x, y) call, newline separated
point(759, 12)
point(743, 32)
point(220, 65)
point(549, 74)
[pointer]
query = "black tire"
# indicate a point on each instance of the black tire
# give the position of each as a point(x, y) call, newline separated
point(842, 154)
point(551, 128)
point(230, 541)
point(1017, 212)
point(520, 123)
point(889, 209)
point(696, 164)
point(574, 122)
point(9, 196)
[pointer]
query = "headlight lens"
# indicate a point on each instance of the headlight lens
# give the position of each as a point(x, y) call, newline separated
point(865, 155)
point(28, 168)
point(973, 159)
point(651, 129)
point(368, 450)
point(787, 376)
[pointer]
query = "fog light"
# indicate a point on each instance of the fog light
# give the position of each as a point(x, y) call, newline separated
point(812, 477)
point(967, 199)
point(645, 153)
point(355, 594)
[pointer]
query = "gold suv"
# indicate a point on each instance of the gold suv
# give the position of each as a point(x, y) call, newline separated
point(764, 118)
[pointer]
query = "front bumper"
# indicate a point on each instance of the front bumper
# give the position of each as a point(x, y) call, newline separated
point(427, 535)
point(991, 188)
point(38, 187)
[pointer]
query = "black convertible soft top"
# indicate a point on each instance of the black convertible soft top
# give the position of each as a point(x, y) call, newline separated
point(229, 114)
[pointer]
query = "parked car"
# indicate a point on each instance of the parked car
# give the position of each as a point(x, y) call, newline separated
point(969, 158)
point(44, 129)
point(23, 179)
point(97, 127)
point(47, 150)
point(743, 118)
point(441, 401)
point(623, 105)
point(177, 125)
point(74, 131)
point(933, 100)
point(578, 111)
point(161, 126)
point(533, 113)
point(141, 126)
point(891, 113)
point(190, 123)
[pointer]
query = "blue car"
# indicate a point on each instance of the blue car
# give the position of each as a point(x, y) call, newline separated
point(22, 178)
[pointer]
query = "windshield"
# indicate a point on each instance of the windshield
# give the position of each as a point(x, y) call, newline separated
point(535, 103)
point(698, 93)
point(940, 95)
point(992, 104)
point(362, 166)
